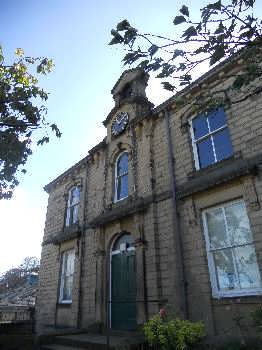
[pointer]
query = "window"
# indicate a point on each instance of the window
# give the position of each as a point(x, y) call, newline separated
point(121, 177)
point(231, 254)
point(67, 275)
point(210, 138)
point(72, 206)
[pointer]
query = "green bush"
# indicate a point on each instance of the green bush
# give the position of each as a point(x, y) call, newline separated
point(175, 334)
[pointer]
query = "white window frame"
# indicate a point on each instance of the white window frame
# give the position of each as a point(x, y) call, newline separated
point(209, 134)
point(216, 293)
point(117, 177)
point(63, 275)
point(70, 208)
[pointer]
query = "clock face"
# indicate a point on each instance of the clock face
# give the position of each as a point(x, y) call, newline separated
point(119, 123)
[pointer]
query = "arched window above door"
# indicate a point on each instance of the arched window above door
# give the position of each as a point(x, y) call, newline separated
point(121, 177)
point(126, 239)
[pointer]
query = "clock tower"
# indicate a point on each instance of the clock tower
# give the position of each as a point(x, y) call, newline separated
point(129, 94)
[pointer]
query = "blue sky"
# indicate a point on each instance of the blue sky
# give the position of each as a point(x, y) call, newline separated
point(75, 34)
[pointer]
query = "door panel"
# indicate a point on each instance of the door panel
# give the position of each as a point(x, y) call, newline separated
point(123, 279)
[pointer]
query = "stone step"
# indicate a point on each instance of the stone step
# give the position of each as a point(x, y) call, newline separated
point(59, 347)
point(93, 342)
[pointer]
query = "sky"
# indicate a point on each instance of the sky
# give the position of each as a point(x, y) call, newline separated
point(75, 34)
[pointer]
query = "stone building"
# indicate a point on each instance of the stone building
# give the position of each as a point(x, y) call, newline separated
point(165, 212)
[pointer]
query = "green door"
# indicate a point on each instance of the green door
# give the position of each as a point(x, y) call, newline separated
point(123, 290)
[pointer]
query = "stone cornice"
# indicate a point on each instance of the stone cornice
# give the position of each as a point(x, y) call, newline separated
point(217, 174)
point(126, 208)
point(67, 234)
point(66, 173)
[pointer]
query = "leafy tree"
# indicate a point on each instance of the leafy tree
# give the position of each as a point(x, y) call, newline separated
point(17, 276)
point(30, 264)
point(21, 115)
point(226, 29)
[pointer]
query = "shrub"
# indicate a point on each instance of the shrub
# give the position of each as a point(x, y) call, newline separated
point(174, 334)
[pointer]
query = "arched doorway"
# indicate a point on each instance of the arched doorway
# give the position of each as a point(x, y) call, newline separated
point(123, 283)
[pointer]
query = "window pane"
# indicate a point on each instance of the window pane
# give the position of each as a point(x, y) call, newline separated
point(68, 259)
point(122, 187)
point(70, 263)
point(222, 144)
point(205, 153)
point(200, 126)
point(217, 119)
point(248, 272)
point(238, 224)
point(68, 217)
point(122, 164)
point(75, 214)
point(75, 194)
point(67, 291)
point(226, 274)
point(217, 229)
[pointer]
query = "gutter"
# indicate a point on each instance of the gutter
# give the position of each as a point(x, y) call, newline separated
point(82, 256)
point(176, 221)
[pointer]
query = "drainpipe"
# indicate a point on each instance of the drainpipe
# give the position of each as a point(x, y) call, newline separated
point(82, 252)
point(176, 219)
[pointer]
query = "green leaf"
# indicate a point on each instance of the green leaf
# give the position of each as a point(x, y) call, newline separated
point(144, 64)
point(19, 52)
point(184, 10)
point(54, 128)
point(117, 38)
point(220, 29)
point(123, 25)
point(168, 86)
point(215, 6)
point(153, 49)
point(179, 19)
point(217, 54)
point(43, 140)
point(191, 31)
point(131, 57)
point(177, 53)
point(130, 35)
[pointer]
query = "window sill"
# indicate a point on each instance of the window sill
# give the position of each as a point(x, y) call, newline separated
point(217, 174)
point(68, 233)
point(120, 200)
point(116, 211)
point(65, 303)
point(237, 294)
point(197, 172)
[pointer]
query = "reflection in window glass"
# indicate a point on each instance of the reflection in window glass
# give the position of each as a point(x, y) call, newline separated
point(72, 206)
point(222, 145)
point(67, 274)
point(226, 274)
point(210, 137)
point(216, 228)
point(205, 153)
point(231, 250)
point(121, 178)
point(217, 119)
point(200, 126)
